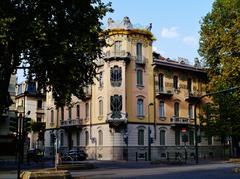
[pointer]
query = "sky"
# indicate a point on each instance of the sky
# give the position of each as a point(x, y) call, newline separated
point(175, 23)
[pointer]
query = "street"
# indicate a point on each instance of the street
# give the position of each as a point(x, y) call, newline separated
point(122, 169)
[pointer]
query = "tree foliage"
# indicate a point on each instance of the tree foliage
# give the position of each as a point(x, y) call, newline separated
point(220, 49)
point(57, 39)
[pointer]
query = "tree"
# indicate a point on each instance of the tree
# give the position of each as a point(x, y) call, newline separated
point(220, 49)
point(56, 41)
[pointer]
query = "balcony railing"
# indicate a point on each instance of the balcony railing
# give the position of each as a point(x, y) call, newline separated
point(119, 54)
point(118, 118)
point(141, 60)
point(181, 120)
point(192, 96)
point(164, 92)
point(71, 122)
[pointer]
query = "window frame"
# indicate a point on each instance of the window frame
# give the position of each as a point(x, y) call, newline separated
point(140, 107)
point(86, 138)
point(161, 109)
point(141, 137)
point(100, 107)
point(161, 82)
point(100, 137)
point(175, 82)
point(78, 111)
point(139, 52)
point(176, 109)
point(139, 76)
point(162, 132)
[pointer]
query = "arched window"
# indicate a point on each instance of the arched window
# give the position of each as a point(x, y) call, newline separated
point(100, 137)
point(175, 82)
point(52, 116)
point(116, 106)
point(140, 137)
point(162, 137)
point(139, 52)
point(190, 111)
point(69, 113)
point(176, 109)
point(86, 138)
point(161, 109)
point(100, 107)
point(117, 48)
point(78, 111)
point(160, 79)
point(140, 112)
point(87, 110)
point(139, 77)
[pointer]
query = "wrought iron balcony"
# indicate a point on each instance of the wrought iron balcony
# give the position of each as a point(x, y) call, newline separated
point(116, 117)
point(192, 96)
point(164, 92)
point(181, 120)
point(141, 60)
point(71, 123)
point(117, 54)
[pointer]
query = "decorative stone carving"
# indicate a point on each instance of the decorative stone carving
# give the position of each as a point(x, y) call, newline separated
point(149, 27)
point(127, 23)
point(110, 23)
point(197, 63)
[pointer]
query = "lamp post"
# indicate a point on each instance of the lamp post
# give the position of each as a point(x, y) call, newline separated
point(195, 114)
point(149, 133)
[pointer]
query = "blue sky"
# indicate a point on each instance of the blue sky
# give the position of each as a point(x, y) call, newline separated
point(175, 23)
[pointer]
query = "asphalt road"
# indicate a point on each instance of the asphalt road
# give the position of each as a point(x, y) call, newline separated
point(142, 170)
point(203, 171)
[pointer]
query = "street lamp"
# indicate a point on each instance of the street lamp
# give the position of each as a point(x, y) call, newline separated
point(195, 114)
point(149, 132)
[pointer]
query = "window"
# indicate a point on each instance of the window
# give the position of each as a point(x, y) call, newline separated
point(140, 107)
point(162, 137)
point(161, 109)
point(62, 139)
point(139, 52)
point(39, 119)
point(190, 111)
point(100, 107)
point(140, 137)
point(160, 79)
point(39, 104)
point(210, 139)
point(52, 116)
point(140, 77)
point(100, 137)
point(101, 79)
point(189, 85)
point(69, 113)
point(31, 87)
point(86, 138)
point(116, 76)
point(175, 82)
point(177, 137)
point(191, 138)
point(116, 106)
point(118, 48)
point(78, 111)
point(176, 109)
point(52, 139)
point(78, 138)
point(62, 113)
point(87, 110)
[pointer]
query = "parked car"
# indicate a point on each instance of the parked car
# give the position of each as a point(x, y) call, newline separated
point(75, 155)
point(35, 155)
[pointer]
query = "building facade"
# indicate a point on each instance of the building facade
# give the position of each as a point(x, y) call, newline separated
point(137, 108)
point(31, 103)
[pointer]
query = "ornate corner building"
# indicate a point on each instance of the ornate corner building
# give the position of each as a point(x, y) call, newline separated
point(140, 103)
